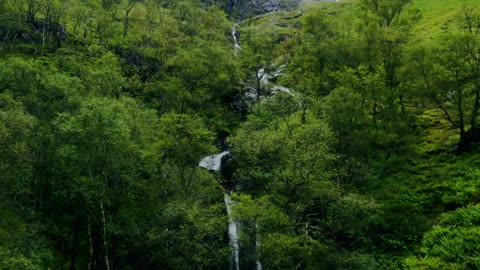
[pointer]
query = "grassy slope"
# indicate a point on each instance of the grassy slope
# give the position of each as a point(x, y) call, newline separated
point(415, 189)
point(437, 13)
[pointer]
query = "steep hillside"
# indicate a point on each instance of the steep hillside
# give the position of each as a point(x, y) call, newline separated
point(422, 187)
point(178, 135)
point(433, 15)
point(436, 14)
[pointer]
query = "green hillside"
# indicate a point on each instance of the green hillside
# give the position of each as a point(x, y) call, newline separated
point(433, 15)
point(166, 134)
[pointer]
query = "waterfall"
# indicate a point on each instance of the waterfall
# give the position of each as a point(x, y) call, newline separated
point(266, 78)
point(278, 88)
point(213, 162)
point(258, 264)
point(236, 47)
point(265, 75)
point(233, 234)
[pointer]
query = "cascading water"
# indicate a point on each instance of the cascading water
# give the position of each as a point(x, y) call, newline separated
point(233, 234)
point(278, 88)
point(262, 73)
point(265, 83)
point(236, 47)
point(214, 163)
point(258, 264)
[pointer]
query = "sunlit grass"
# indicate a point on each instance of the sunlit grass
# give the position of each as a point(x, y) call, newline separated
point(437, 14)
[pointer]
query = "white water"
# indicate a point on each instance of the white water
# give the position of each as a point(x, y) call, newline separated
point(258, 264)
point(265, 83)
point(232, 233)
point(262, 73)
point(264, 76)
point(236, 47)
point(278, 88)
point(213, 162)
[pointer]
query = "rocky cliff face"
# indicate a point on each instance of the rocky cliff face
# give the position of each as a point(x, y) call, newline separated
point(243, 8)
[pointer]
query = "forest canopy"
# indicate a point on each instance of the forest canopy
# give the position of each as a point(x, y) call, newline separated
point(195, 134)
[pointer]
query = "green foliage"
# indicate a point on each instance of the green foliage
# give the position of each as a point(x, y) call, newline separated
point(184, 141)
point(11, 261)
point(40, 86)
point(21, 247)
point(352, 216)
point(283, 155)
point(288, 252)
point(107, 107)
point(314, 54)
point(449, 76)
point(451, 244)
point(15, 163)
point(278, 241)
point(190, 237)
point(388, 12)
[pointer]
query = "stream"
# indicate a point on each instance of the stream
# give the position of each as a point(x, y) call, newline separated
point(214, 162)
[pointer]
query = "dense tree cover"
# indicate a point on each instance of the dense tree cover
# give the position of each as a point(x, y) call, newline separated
point(449, 75)
point(107, 106)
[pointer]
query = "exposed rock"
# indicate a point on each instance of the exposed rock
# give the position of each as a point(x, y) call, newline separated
point(243, 8)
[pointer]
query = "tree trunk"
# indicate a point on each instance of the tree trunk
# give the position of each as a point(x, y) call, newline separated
point(104, 235)
point(402, 106)
point(467, 139)
point(91, 261)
